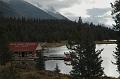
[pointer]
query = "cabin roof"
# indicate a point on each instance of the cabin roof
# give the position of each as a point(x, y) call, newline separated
point(23, 46)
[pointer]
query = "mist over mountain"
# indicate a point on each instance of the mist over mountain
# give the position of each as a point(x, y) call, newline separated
point(21, 8)
point(54, 13)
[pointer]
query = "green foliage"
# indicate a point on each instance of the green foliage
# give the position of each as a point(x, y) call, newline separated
point(80, 20)
point(116, 14)
point(50, 30)
point(40, 62)
point(117, 56)
point(11, 72)
point(5, 54)
point(86, 62)
point(8, 72)
point(5, 57)
point(30, 75)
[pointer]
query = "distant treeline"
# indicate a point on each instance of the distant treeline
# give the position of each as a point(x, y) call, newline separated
point(50, 30)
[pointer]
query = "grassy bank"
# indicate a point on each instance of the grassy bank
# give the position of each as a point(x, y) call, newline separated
point(11, 72)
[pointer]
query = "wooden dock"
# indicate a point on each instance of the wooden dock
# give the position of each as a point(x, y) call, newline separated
point(54, 58)
point(65, 57)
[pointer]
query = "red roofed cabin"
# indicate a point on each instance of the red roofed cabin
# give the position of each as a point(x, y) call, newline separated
point(24, 50)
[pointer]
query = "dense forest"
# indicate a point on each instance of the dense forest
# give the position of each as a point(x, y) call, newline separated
point(50, 30)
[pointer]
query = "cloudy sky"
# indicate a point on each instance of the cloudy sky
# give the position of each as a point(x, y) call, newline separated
point(97, 11)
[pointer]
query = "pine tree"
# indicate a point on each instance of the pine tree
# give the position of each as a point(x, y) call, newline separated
point(57, 70)
point(116, 14)
point(86, 62)
point(80, 20)
point(5, 54)
point(40, 62)
point(117, 56)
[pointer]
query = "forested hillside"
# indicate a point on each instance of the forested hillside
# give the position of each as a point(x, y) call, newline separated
point(50, 30)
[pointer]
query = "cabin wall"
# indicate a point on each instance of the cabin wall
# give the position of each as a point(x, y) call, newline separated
point(24, 56)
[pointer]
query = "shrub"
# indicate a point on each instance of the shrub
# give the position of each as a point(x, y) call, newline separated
point(8, 72)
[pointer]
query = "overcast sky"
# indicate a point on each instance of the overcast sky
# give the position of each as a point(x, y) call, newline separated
point(97, 11)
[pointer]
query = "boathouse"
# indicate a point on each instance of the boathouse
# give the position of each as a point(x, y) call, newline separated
point(25, 51)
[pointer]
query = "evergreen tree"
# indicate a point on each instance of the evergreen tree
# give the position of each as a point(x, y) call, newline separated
point(80, 20)
point(57, 70)
point(5, 54)
point(40, 62)
point(86, 62)
point(50, 30)
point(116, 14)
point(117, 56)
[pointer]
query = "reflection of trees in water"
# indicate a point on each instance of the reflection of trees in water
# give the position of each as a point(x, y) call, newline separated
point(109, 68)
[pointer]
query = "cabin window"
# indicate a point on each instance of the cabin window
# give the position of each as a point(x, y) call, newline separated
point(29, 54)
point(23, 54)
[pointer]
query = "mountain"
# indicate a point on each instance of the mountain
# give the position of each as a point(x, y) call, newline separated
point(28, 10)
point(20, 8)
point(5, 9)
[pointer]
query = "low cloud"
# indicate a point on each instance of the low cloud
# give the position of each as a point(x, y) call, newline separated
point(99, 15)
point(96, 20)
point(56, 4)
point(97, 11)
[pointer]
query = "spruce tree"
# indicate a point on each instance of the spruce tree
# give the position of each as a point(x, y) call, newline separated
point(80, 20)
point(85, 61)
point(40, 62)
point(5, 54)
point(116, 17)
point(57, 70)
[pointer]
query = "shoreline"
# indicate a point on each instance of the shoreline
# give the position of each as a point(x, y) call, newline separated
point(105, 42)
point(59, 44)
point(51, 45)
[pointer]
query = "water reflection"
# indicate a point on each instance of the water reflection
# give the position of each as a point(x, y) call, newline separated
point(51, 64)
point(107, 56)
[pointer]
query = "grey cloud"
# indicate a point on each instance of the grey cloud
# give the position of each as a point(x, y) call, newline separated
point(51, 9)
point(96, 20)
point(97, 11)
point(73, 18)
point(88, 1)
point(56, 4)
point(98, 15)
point(68, 13)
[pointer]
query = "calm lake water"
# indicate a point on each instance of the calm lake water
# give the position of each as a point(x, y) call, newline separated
point(107, 56)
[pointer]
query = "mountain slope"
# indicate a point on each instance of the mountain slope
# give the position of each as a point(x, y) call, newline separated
point(5, 9)
point(51, 11)
point(21, 8)
point(27, 10)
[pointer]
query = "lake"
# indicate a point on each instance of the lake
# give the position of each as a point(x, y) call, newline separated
point(107, 56)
